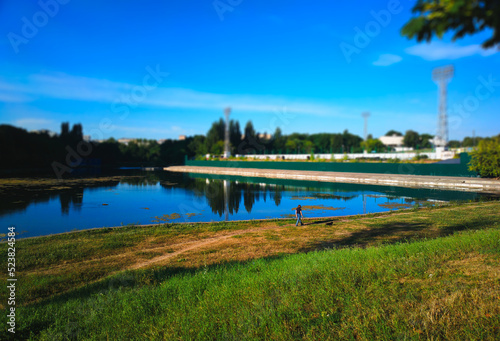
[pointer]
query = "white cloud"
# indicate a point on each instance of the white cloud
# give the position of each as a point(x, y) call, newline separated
point(31, 120)
point(69, 87)
point(34, 123)
point(439, 51)
point(387, 59)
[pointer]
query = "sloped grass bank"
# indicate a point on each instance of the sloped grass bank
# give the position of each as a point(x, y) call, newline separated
point(442, 289)
point(54, 265)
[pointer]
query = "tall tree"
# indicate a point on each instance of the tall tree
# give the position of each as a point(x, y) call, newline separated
point(214, 135)
point(64, 129)
point(250, 142)
point(351, 142)
point(77, 132)
point(436, 17)
point(425, 140)
point(411, 139)
point(250, 131)
point(234, 134)
point(278, 143)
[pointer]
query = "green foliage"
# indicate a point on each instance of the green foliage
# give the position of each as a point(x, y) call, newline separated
point(411, 139)
point(291, 144)
point(234, 135)
point(486, 159)
point(395, 160)
point(214, 135)
point(471, 141)
point(217, 148)
point(309, 146)
point(425, 141)
point(463, 17)
point(419, 157)
point(198, 146)
point(278, 142)
point(393, 132)
point(373, 145)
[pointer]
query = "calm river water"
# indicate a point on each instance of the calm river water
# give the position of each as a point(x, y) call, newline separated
point(134, 197)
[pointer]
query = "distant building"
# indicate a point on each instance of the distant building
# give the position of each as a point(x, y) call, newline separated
point(264, 136)
point(260, 136)
point(44, 131)
point(125, 141)
point(393, 141)
point(161, 141)
point(182, 137)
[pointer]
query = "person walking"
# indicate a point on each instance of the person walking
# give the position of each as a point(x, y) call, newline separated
point(299, 216)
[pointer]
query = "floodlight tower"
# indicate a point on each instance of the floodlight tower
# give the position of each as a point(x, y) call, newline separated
point(365, 115)
point(227, 153)
point(442, 76)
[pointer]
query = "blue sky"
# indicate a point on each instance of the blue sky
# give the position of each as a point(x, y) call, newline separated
point(158, 69)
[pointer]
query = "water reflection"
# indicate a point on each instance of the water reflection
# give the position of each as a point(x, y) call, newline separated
point(152, 197)
point(73, 198)
point(223, 194)
point(18, 198)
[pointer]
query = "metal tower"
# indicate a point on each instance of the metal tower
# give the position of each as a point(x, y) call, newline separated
point(442, 76)
point(365, 115)
point(227, 153)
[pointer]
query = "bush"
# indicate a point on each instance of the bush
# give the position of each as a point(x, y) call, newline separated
point(486, 159)
point(394, 160)
point(419, 157)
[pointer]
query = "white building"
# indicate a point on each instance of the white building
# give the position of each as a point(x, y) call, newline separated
point(393, 141)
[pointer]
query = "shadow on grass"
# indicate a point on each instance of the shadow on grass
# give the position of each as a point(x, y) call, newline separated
point(396, 232)
point(387, 233)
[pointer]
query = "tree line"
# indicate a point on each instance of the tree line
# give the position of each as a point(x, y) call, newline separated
point(252, 142)
point(22, 149)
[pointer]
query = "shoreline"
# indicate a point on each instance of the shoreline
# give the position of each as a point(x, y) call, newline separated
point(399, 180)
point(373, 214)
point(312, 220)
point(117, 276)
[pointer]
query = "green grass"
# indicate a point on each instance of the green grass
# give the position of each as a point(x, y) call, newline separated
point(421, 274)
point(423, 290)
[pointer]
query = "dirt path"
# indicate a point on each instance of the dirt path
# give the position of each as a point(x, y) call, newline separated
point(197, 244)
point(191, 245)
point(181, 247)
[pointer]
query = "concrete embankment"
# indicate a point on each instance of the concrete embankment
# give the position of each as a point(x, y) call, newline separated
point(400, 180)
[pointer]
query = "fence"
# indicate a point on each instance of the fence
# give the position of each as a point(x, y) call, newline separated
point(435, 169)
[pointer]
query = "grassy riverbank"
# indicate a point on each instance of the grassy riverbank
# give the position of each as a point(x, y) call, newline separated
point(414, 274)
